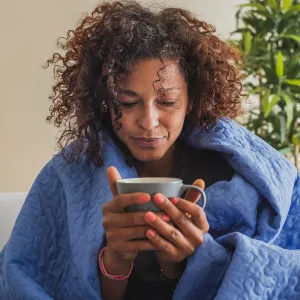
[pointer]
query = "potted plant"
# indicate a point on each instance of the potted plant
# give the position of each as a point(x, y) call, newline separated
point(268, 36)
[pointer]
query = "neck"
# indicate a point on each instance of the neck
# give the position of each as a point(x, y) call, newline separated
point(160, 168)
point(164, 166)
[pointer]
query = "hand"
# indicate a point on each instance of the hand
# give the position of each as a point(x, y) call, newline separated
point(123, 228)
point(175, 243)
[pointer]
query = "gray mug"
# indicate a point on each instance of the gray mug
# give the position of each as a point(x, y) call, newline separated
point(169, 187)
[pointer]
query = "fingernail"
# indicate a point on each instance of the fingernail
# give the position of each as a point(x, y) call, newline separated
point(158, 199)
point(151, 217)
point(166, 218)
point(174, 200)
point(151, 233)
point(144, 198)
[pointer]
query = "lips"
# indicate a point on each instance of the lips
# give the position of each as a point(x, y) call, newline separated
point(148, 139)
point(148, 142)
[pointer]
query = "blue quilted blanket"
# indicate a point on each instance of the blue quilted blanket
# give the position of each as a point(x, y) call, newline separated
point(251, 251)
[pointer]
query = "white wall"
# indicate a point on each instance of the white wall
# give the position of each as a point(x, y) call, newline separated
point(28, 32)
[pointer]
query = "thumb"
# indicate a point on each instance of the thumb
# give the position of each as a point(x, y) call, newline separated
point(113, 175)
point(193, 195)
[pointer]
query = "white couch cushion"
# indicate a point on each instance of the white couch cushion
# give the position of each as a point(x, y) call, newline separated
point(10, 206)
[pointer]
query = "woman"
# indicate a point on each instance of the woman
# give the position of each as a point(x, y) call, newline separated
point(152, 94)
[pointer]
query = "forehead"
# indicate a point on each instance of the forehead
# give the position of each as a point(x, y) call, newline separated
point(154, 73)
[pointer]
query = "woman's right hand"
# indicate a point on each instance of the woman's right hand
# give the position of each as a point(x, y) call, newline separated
point(123, 228)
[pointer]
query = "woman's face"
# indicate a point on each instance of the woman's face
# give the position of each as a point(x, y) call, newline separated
point(151, 122)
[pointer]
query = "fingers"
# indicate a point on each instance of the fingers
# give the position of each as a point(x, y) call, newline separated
point(126, 234)
point(180, 238)
point(130, 219)
point(195, 211)
point(194, 232)
point(178, 217)
point(113, 175)
point(176, 246)
point(119, 202)
point(164, 229)
point(136, 246)
point(193, 195)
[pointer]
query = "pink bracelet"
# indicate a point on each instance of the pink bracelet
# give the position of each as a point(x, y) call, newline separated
point(110, 276)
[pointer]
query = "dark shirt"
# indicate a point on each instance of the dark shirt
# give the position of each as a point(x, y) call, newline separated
point(146, 281)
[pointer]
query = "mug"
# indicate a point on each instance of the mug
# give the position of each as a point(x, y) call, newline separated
point(169, 187)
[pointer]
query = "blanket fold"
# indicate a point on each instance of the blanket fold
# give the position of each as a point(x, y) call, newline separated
point(251, 251)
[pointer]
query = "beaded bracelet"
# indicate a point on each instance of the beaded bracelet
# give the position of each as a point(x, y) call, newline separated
point(110, 276)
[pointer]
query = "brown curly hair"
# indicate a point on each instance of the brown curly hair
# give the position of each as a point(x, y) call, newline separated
point(99, 52)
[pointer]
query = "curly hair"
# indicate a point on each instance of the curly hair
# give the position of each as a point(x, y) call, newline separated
point(100, 51)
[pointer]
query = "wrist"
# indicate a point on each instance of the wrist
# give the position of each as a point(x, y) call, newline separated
point(114, 265)
point(172, 270)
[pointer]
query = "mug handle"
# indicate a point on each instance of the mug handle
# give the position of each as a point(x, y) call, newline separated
point(185, 187)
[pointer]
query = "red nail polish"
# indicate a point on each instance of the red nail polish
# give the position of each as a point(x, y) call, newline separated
point(144, 198)
point(166, 218)
point(151, 233)
point(174, 200)
point(158, 199)
point(151, 217)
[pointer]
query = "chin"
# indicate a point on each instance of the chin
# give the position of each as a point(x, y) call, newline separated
point(145, 157)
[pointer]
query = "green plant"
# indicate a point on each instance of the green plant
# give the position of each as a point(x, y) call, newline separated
point(268, 34)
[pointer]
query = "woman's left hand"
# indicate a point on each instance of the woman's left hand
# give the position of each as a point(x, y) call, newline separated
point(175, 243)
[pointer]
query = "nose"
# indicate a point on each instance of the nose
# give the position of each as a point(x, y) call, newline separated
point(148, 118)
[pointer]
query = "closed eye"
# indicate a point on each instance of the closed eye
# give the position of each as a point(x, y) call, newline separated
point(132, 104)
point(167, 103)
point(128, 104)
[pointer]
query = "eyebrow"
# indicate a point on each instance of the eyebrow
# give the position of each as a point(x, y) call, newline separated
point(135, 94)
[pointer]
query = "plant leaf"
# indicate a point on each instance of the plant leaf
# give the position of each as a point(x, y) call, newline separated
point(293, 66)
point(295, 82)
point(285, 151)
point(258, 6)
point(271, 104)
point(296, 139)
point(255, 91)
point(289, 110)
point(287, 99)
point(293, 37)
point(285, 5)
point(247, 41)
point(272, 3)
point(255, 24)
point(279, 65)
point(265, 99)
point(293, 9)
point(295, 90)
point(237, 18)
point(270, 74)
point(255, 9)
point(282, 127)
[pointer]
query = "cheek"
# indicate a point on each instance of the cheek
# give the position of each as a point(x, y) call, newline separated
point(127, 124)
point(175, 120)
point(127, 120)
